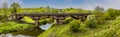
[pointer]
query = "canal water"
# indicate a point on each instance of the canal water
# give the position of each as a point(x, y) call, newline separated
point(34, 32)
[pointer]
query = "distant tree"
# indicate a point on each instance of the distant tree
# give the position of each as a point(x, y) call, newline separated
point(5, 6)
point(4, 11)
point(99, 9)
point(15, 6)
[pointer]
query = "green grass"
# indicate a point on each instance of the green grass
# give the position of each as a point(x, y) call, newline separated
point(54, 31)
point(13, 26)
point(107, 29)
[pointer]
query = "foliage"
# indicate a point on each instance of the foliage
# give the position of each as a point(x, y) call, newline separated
point(99, 17)
point(2, 17)
point(99, 9)
point(111, 31)
point(12, 26)
point(44, 21)
point(5, 6)
point(91, 21)
point(27, 19)
point(67, 20)
point(74, 10)
point(99, 14)
point(75, 25)
point(111, 14)
point(105, 33)
point(15, 6)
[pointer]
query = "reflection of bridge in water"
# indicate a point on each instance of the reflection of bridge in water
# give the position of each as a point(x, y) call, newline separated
point(59, 17)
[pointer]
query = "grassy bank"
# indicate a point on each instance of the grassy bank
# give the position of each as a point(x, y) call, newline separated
point(13, 26)
point(109, 28)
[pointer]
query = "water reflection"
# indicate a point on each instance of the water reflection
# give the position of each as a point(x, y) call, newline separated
point(34, 32)
point(11, 35)
point(46, 26)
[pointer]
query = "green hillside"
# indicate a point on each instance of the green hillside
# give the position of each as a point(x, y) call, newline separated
point(108, 29)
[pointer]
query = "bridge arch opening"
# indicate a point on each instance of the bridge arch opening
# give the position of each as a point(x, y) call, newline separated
point(44, 24)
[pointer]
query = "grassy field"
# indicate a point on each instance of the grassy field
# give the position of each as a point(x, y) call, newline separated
point(13, 26)
point(109, 28)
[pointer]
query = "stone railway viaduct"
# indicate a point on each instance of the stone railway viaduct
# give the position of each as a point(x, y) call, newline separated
point(59, 17)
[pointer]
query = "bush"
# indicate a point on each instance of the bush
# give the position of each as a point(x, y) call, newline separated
point(12, 26)
point(91, 21)
point(67, 20)
point(112, 31)
point(27, 19)
point(75, 25)
point(111, 14)
point(105, 33)
point(2, 17)
point(44, 21)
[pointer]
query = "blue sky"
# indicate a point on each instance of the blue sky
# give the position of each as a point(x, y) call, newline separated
point(84, 4)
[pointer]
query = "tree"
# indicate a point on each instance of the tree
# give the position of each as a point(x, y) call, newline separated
point(111, 14)
point(75, 25)
point(99, 14)
point(15, 6)
point(5, 5)
point(91, 21)
point(99, 9)
point(4, 11)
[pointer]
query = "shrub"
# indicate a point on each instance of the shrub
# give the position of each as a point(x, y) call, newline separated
point(91, 21)
point(111, 14)
point(75, 25)
point(27, 19)
point(67, 20)
point(112, 31)
point(44, 21)
point(117, 34)
point(12, 26)
point(105, 33)
point(2, 17)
